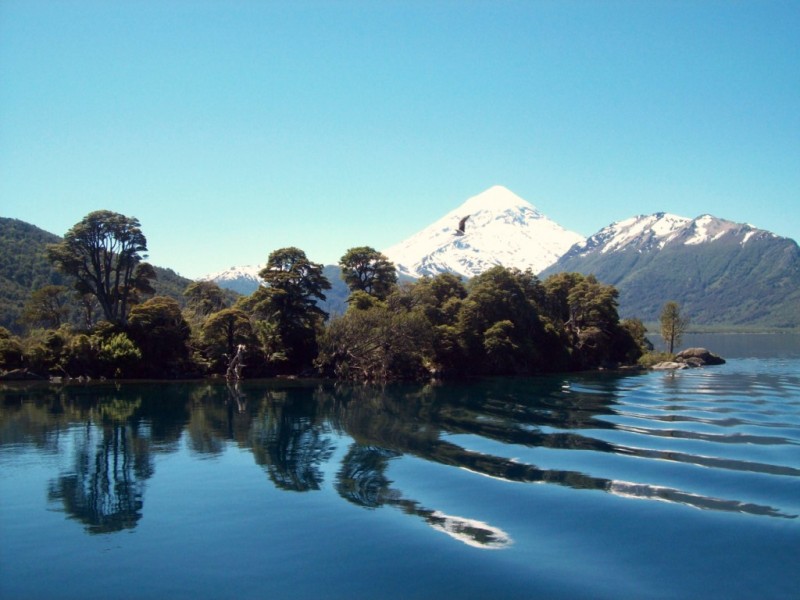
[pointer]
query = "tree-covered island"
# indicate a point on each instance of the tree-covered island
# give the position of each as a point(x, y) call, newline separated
point(109, 322)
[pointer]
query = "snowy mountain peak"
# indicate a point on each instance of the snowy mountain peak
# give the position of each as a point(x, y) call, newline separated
point(644, 233)
point(500, 228)
point(243, 279)
point(250, 271)
point(496, 198)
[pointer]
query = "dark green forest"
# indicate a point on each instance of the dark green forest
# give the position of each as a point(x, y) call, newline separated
point(87, 305)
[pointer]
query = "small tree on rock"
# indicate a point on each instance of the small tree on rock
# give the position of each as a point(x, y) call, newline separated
point(673, 325)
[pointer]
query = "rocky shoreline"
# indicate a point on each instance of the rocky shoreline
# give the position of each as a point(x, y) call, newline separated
point(689, 359)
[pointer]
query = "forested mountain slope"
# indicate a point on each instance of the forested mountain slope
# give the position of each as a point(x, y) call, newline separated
point(24, 268)
point(719, 271)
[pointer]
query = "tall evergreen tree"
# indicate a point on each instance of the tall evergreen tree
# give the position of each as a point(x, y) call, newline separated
point(365, 269)
point(294, 284)
point(103, 253)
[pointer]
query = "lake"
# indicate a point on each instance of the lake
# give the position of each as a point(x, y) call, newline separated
point(603, 485)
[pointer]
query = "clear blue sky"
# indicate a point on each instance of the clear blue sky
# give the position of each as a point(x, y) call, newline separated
point(233, 128)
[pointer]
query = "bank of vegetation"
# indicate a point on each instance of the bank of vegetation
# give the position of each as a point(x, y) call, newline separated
point(104, 317)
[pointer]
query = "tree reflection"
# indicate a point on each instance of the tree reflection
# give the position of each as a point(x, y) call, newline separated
point(111, 462)
point(362, 480)
point(290, 441)
point(110, 433)
point(419, 424)
point(105, 489)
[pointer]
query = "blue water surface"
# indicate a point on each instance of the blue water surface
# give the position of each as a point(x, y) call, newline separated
point(657, 485)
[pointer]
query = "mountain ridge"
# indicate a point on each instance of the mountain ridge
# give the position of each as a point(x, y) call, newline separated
point(720, 271)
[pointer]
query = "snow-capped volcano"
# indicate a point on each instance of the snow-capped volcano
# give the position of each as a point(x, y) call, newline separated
point(500, 229)
point(242, 279)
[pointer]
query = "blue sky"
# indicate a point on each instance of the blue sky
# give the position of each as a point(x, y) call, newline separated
point(233, 128)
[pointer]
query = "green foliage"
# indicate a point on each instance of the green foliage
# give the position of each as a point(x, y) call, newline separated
point(222, 333)
point(648, 359)
point(673, 325)
point(24, 267)
point(639, 344)
point(270, 342)
point(118, 356)
point(103, 255)
point(376, 344)
point(501, 351)
point(47, 307)
point(159, 330)
point(80, 356)
point(367, 270)
point(289, 299)
point(44, 350)
point(204, 298)
point(361, 300)
point(440, 297)
point(583, 313)
point(440, 300)
point(11, 352)
point(504, 321)
point(498, 295)
point(168, 283)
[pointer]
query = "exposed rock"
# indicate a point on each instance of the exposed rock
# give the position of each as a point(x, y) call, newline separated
point(698, 357)
point(669, 366)
point(693, 361)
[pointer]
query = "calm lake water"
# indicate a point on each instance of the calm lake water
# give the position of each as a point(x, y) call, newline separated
point(654, 485)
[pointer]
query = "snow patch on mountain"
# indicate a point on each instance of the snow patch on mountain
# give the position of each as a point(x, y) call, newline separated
point(500, 229)
point(707, 229)
point(645, 233)
point(244, 271)
point(243, 279)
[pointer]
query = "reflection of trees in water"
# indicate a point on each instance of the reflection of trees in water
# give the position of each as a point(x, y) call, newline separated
point(211, 422)
point(284, 428)
point(362, 480)
point(290, 429)
point(387, 423)
point(123, 426)
point(111, 431)
point(105, 488)
point(290, 440)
